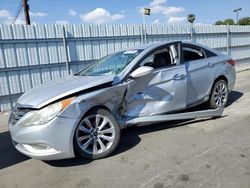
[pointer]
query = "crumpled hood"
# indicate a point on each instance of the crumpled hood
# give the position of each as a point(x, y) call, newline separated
point(54, 90)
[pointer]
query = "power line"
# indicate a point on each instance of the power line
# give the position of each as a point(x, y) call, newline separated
point(19, 8)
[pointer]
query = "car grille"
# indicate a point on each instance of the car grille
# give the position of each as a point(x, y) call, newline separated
point(18, 113)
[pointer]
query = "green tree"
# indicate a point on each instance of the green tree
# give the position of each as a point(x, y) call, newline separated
point(219, 22)
point(228, 21)
point(244, 21)
point(191, 18)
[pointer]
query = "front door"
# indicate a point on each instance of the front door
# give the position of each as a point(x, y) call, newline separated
point(163, 90)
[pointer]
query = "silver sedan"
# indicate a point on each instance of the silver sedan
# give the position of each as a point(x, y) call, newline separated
point(83, 114)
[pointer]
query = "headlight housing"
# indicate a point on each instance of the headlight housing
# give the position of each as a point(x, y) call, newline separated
point(44, 115)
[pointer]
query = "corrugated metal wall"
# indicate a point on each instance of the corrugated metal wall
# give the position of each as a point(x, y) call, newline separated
point(32, 55)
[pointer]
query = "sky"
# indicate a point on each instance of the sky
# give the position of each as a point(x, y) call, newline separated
point(122, 12)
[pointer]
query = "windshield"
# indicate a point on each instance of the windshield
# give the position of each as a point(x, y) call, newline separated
point(110, 65)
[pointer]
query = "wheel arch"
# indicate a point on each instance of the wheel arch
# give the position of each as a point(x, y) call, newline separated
point(221, 77)
point(94, 108)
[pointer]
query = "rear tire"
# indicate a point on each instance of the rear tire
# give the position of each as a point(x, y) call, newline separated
point(97, 135)
point(219, 95)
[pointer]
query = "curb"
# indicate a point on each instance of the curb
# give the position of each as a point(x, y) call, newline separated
point(241, 68)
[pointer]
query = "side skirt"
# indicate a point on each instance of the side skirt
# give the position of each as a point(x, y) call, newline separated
point(178, 116)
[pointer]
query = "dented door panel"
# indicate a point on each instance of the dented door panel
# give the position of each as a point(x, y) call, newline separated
point(159, 92)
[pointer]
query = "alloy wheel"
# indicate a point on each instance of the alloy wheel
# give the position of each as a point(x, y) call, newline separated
point(95, 134)
point(220, 94)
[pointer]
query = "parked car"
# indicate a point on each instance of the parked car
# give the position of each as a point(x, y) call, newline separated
point(83, 114)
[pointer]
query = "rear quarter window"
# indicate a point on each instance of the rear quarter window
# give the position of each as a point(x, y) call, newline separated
point(191, 54)
point(209, 53)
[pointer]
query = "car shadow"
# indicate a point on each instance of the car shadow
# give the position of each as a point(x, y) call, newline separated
point(128, 141)
point(140, 130)
point(68, 162)
point(9, 156)
point(233, 97)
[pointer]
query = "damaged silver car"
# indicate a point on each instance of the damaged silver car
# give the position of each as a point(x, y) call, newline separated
point(83, 114)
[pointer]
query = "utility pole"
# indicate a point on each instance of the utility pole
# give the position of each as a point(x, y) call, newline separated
point(26, 11)
point(237, 14)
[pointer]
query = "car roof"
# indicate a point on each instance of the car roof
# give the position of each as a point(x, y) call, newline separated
point(144, 46)
point(157, 44)
point(152, 45)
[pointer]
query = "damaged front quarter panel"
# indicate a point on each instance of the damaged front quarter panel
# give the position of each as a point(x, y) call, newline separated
point(110, 98)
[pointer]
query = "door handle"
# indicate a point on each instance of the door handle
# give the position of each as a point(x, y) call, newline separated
point(179, 77)
point(210, 64)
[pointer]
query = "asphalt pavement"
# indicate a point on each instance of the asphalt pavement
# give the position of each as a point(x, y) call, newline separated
point(201, 153)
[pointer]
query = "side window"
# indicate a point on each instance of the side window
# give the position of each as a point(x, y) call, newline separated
point(160, 58)
point(192, 54)
point(148, 61)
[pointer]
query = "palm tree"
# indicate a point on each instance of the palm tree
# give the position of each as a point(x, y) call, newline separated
point(191, 18)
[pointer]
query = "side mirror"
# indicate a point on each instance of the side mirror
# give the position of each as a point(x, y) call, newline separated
point(141, 71)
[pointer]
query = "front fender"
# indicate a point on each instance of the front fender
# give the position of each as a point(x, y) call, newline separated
point(110, 97)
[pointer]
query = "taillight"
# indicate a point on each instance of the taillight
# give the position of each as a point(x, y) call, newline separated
point(232, 62)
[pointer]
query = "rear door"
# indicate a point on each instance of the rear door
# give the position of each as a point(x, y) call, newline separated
point(200, 73)
point(163, 90)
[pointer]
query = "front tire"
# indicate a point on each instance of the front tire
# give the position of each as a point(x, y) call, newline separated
point(219, 95)
point(97, 135)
